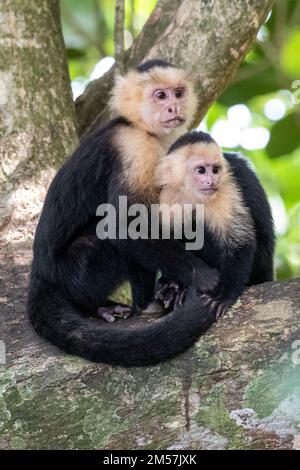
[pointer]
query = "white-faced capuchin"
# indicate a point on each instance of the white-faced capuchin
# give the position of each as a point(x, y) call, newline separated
point(238, 226)
point(74, 272)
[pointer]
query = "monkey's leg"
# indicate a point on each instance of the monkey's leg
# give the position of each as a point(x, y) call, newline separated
point(91, 270)
point(235, 272)
point(142, 284)
point(172, 259)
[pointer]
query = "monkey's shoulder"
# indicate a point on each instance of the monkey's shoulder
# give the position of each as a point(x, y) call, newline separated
point(239, 163)
point(245, 175)
point(253, 193)
point(94, 158)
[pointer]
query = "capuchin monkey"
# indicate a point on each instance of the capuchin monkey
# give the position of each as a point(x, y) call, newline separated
point(74, 272)
point(238, 226)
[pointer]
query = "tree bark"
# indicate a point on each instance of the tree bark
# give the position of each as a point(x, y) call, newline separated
point(37, 115)
point(210, 38)
point(237, 388)
point(119, 34)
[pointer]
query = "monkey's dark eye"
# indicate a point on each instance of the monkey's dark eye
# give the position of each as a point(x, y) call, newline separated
point(216, 169)
point(200, 170)
point(179, 93)
point(161, 95)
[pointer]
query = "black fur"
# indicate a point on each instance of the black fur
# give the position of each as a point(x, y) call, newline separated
point(256, 200)
point(193, 137)
point(73, 272)
point(150, 64)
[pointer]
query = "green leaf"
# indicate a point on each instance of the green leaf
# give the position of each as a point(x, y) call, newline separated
point(261, 83)
point(284, 136)
point(73, 53)
point(286, 174)
point(290, 55)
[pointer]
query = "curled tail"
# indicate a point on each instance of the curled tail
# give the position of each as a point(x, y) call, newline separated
point(56, 319)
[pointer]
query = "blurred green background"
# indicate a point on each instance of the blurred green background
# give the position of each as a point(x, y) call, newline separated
point(259, 113)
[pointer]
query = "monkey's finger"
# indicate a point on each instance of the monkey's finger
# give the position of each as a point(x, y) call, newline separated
point(167, 297)
point(220, 310)
point(206, 300)
point(214, 305)
point(105, 314)
point(127, 315)
point(223, 307)
point(181, 297)
point(176, 300)
point(160, 294)
point(169, 300)
point(121, 311)
point(174, 285)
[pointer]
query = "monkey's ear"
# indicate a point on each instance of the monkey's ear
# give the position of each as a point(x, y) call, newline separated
point(117, 92)
point(126, 96)
point(163, 174)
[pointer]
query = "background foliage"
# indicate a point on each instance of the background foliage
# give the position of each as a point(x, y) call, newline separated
point(258, 114)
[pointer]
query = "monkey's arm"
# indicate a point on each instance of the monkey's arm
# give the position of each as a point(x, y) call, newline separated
point(73, 197)
point(236, 267)
point(172, 259)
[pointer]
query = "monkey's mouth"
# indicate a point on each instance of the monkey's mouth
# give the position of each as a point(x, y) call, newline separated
point(175, 122)
point(209, 192)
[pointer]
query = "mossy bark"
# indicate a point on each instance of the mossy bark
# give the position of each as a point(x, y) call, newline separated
point(208, 37)
point(237, 388)
point(37, 116)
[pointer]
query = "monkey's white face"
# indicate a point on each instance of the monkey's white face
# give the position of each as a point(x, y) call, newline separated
point(203, 175)
point(164, 108)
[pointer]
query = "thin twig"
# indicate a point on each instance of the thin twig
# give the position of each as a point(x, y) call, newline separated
point(295, 16)
point(100, 24)
point(280, 24)
point(119, 35)
point(132, 15)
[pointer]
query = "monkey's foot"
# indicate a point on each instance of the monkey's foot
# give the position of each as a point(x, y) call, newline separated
point(171, 295)
point(220, 306)
point(111, 313)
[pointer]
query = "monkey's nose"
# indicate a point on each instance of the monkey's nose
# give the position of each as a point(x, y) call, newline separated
point(172, 109)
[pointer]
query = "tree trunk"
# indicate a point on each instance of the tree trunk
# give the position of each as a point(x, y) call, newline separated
point(238, 387)
point(37, 115)
point(210, 38)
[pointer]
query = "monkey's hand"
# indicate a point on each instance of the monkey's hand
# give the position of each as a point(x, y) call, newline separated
point(206, 280)
point(171, 295)
point(216, 303)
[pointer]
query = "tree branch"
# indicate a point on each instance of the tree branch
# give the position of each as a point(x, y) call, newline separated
point(119, 35)
point(210, 38)
point(238, 387)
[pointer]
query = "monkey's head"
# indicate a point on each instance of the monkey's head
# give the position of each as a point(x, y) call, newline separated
point(156, 96)
point(193, 171)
